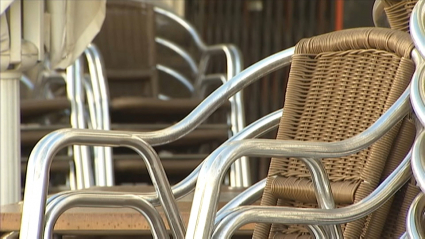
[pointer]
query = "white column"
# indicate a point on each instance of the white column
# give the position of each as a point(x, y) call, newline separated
point(10, 152)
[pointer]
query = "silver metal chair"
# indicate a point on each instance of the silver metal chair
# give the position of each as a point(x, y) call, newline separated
point(240, 173)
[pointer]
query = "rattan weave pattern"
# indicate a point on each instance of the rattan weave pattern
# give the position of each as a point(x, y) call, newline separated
point(339, 84)
point(398, 13)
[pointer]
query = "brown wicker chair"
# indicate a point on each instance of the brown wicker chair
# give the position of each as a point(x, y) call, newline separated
point(339, 84)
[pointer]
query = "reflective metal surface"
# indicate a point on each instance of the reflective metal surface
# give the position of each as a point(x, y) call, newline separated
point(256, 129)
point(180, 51)
point(307, 216)
point(74, 87)
point(212, 173)
point(40, 159)
point(239, 175)
point(104, 165)
point(36, 184)
point(139, 204)
point(414, 220)
point(179, 77)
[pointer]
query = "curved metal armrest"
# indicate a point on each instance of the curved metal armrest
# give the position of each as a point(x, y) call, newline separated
point(418, 161)
point(95, 200)
point(180, 51)
point(207, 188)
point(45, 150)
point(414, 227)
point(40, 159)
point(284, 215)
point(179, 77)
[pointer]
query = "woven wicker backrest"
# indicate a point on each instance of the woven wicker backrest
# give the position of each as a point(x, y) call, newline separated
point(127, 44)
point(398, 13)
point(339, 84)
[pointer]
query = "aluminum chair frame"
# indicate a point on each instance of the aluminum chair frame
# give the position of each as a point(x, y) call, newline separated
point(205, 201)
point(255, 129)
point(62, 138)
point(40, 159)
point(414, 227)
point(240, 173)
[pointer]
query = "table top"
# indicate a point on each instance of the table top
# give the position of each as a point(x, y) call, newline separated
point(110, 220)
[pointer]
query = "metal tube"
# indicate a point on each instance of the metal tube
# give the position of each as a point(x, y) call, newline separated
point(287, 215)
point(39, 165)
point(99, 83)
point(377, 13)
point(74, 88)
point(417, 93)
point(323, 191)
point(414, 227)
point(247, 197)
point(180, 51)
point(259, 127)
point(240, 172)
point(179, 77)
point(207, 188)
point(10, 150)
point(418, 161)
point(11, 235)
point(49, 144)
point(122, 201)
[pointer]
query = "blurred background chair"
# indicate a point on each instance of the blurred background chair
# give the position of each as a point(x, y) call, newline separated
point(154, 82)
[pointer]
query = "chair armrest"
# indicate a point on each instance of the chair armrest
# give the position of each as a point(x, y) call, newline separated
point(40, 159)
point(285, 215)
point(205, 200)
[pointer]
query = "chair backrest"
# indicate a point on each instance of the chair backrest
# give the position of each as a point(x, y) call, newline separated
point(127, 43)
point(339, 84)
point(398, 13)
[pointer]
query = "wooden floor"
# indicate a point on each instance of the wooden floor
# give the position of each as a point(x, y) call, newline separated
point(109, 221)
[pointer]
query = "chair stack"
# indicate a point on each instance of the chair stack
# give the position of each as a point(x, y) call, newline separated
point(340, 164)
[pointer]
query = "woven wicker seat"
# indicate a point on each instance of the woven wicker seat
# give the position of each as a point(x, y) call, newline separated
point(339, 84)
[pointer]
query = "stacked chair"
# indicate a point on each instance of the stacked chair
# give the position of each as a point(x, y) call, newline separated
point(414, 221)
point(138, 75)
point(341, 160)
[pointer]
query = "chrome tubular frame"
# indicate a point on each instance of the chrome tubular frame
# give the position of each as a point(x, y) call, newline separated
point(74, 86)
point(176, 75)
point(106, 200)
point(240, 171)
point(414, 227)
point(104, 165)
point(287, 215)
point(180, 51)
point(207, 188)
point(256, 129)
point(33, 209)
point(40, 159)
